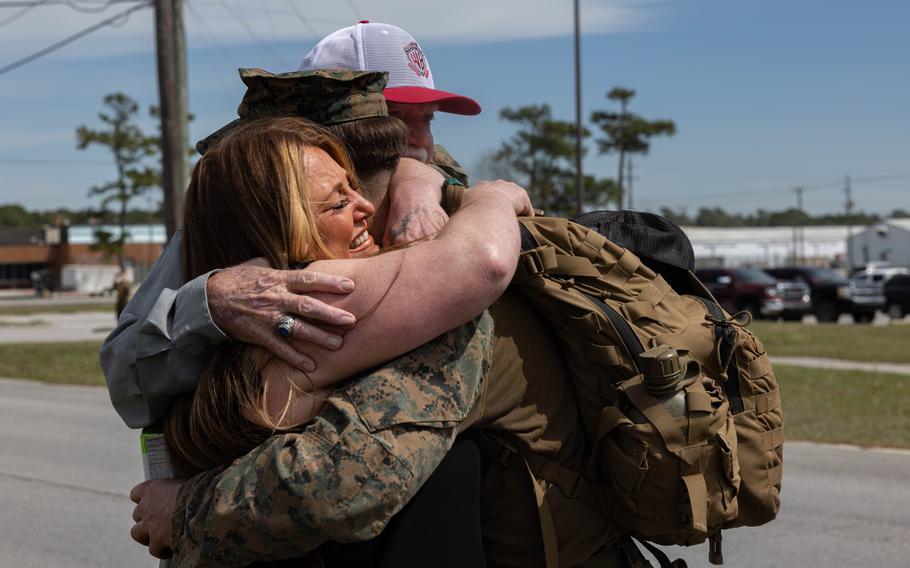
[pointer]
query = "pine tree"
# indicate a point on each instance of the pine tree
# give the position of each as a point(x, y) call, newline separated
point(131, 150)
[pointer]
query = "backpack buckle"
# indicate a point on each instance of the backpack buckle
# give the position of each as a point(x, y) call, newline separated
point(539, 260)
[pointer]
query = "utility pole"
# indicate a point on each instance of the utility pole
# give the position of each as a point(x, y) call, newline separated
point(630, 179)
point(848, 209)
point(798, 238)
point(622, 149)
point(579, 178)
point(171, 51)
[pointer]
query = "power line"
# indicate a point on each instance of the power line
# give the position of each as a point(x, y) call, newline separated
point(80, 7)
point(357, 13)
point(301, 17)
point(838, 184)
point(72, 38)
point(51, 162)
point(16, 16)
point(268, 15)
point(749, 194)
point(249, 30)
point(93, 9)
point(716, 171)
point(208, 33)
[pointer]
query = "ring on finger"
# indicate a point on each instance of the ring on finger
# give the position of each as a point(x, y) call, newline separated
point(286, 325)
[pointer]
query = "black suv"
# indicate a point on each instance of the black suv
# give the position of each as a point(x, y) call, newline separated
point(830, 292)
point(897, 297)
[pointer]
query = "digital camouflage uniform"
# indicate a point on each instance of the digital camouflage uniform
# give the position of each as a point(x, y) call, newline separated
point(345, 474)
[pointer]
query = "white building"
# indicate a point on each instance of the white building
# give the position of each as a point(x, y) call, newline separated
point(765, 247)
point(888, 241)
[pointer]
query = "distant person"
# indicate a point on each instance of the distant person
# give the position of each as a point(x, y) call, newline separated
point(122, 286)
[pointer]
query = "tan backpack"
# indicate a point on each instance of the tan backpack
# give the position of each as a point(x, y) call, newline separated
point(678, 399)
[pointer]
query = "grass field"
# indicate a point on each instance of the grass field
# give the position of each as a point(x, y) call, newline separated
point(28, 310)
point(889, 344)
point(867, 409)
point(70, 363)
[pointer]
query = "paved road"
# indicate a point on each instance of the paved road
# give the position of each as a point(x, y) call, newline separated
point(67, 464)
point(842, 508)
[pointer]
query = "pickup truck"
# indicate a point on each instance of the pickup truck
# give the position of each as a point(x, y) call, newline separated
point(757, 292)
point(897, 297)
point(830, 292)
point(867, 287)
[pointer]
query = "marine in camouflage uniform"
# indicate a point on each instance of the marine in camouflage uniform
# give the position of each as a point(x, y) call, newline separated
point(346, 473)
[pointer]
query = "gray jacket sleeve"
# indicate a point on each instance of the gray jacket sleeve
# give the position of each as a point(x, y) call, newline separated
point(161, 342)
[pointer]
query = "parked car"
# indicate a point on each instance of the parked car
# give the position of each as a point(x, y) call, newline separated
point(830, 292)
point(897, 296)
point(757, 292)
point(867, 287)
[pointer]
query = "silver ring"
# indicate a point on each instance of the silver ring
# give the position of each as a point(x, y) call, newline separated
point(286, 325)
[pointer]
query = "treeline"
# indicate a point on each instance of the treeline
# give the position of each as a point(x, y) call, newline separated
point(717, 217)
point(13, 216)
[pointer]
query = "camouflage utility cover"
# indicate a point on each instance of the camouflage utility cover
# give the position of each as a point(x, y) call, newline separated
point(344, 476)
point(326, 96)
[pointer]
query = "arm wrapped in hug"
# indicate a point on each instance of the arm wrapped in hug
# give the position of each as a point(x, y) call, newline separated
point(348, 472)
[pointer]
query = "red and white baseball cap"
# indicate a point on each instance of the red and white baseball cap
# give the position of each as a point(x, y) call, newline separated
point(381, 47)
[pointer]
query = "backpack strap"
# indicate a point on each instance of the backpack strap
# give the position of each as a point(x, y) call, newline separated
point(502, 452)
point(547, 526)
point(724, 335)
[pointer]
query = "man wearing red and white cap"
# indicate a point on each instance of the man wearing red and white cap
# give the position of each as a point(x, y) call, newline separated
point(411, 91)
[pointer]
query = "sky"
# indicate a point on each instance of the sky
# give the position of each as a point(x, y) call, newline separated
point(766, 96)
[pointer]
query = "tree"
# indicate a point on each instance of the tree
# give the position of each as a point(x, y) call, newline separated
point(627, 133)
point(131, 150)
point(679, 217)
point(542, 155)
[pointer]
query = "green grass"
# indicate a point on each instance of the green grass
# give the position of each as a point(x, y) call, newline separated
point(867, 409)
point(70, 363)
point(820, 405)
point(13, 310)
point(883, 344)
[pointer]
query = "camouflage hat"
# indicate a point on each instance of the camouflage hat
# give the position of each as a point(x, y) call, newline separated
point(325, 96)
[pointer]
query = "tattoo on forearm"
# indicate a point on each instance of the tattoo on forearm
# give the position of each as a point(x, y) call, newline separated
point(401, 228)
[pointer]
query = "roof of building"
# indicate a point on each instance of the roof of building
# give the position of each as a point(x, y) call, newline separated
point(19, 237)
point(765, 234)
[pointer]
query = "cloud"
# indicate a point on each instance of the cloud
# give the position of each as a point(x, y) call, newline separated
point(231, 22)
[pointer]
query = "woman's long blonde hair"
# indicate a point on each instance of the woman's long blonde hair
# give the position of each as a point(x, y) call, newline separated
point(247, 198)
